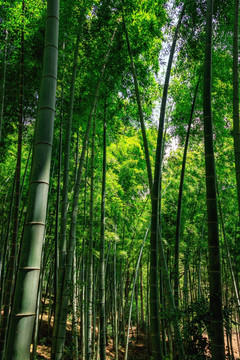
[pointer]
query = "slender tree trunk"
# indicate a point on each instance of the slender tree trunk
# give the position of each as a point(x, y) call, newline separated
point(102, 249)
point(122, 310)
point(38, 324)
point(90, 255)
point(162, 315)
point(155, 229)
point(229, 261)
point(22, 185)
point(5, 247)
point(94, 312)
point(121, 289)
point(2, 243)
point(83, 323)
point(199, 264)
point(179, 210)
point(10, 277)
point(185, 282)
point(148, 309)
point(3, 82)
point(24, 304)
point(98, 342)
point(236, 130)
point(115, 312)
point(137, 310)
point(74, 316)
point(133, 291)
point(171, 303)
point(56, 237)
point(141, 295)
point(141, 117)
point(216, 319)
point(64, 205)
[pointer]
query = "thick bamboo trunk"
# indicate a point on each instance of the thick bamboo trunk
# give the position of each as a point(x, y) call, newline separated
point(216, 319)
point(24, 304)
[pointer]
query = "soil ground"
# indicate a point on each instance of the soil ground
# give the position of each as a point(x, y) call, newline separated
point(137, 347)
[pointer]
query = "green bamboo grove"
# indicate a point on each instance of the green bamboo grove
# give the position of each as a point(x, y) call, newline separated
point(119, 185)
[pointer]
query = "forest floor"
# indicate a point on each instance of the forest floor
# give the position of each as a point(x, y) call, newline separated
point(137, 347)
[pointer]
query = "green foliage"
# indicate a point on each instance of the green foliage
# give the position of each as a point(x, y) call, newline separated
point(197, 322)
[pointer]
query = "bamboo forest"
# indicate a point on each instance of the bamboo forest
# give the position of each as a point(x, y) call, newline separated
point(119, 180)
